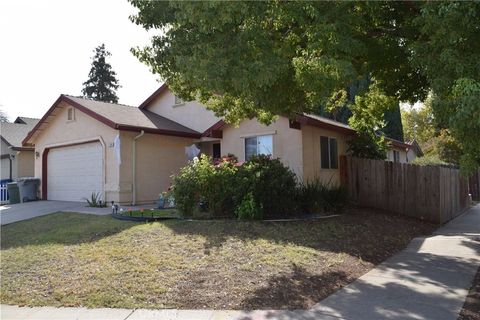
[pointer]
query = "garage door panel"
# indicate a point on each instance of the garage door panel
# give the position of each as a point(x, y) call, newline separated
point(75, 172)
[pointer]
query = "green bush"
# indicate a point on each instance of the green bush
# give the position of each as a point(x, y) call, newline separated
point(202, 182)
point(249, 209)
point(271, 184)
point(95, 200)
point(316, 196)
point(261, 187)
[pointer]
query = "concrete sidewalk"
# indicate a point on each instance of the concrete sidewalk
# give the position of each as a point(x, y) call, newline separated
point(427, 280)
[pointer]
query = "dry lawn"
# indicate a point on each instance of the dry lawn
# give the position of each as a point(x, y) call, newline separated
point(68, 259)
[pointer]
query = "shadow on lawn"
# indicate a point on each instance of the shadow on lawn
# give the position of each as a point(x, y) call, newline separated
point(436, 295)
point(373, 237)
point(61, 228)
point(298, 289)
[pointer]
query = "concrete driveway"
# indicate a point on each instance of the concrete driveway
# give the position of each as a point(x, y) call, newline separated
point(23, 211)
point(28, 210)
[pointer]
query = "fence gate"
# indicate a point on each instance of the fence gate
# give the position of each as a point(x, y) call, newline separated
point(3, 193)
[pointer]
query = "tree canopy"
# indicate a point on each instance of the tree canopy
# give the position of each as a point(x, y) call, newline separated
point(102, 82)
point(438, 144)
point(260, 59)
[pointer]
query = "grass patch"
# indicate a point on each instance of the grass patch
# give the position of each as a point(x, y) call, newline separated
point(69, 259)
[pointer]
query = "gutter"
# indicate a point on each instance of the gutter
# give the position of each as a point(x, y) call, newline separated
point(134, 175)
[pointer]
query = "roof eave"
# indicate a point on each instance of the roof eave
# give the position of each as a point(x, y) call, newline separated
point(62, 97)
point(153, 96)
point(165, 132)
point(23, 148)
point(305, 119)
point(213, 130)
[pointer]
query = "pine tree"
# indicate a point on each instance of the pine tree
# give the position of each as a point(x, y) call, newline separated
point(393, 124)
point(102, 82)
point(3, 116)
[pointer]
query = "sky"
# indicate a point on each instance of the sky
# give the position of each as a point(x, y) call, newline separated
point(46, 49)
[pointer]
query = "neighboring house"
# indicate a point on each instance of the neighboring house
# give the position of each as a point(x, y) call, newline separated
point(403, 152)
point(414, 150)
point(77, 142)
point(16, 161)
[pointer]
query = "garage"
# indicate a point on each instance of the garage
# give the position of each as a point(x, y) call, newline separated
point(75, 172)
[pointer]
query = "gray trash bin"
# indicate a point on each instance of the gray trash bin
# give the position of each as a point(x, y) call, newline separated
point(28, 188)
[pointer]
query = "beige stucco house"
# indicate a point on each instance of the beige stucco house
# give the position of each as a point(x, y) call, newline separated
point(16, 161)
point(128, 154)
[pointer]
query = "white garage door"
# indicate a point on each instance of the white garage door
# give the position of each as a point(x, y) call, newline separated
point(75, 172)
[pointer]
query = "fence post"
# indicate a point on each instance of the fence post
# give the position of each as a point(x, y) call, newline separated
point(343, 171)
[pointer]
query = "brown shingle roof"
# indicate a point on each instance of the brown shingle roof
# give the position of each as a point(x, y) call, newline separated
point(14, 133)
point(124, 115)
point(118, 116)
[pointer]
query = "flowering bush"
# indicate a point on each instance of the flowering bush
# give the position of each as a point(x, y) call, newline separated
point(260, 188)
point(202, 184)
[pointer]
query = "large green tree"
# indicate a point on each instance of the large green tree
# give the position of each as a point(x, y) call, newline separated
point(102, 82)
point(259, 59)
point(448, 53)
point(438, 144)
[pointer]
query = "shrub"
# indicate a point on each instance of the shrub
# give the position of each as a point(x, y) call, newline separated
point(271, 184)
point(202, 182)
point(262, 187)
point(316, 196)
point(336, 198)
point(95, 200)
point(249, 209)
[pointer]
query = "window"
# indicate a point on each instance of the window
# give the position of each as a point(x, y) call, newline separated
point(216, 151)
point(179, 101)
point(258, 145)
point(396, 156)
point(70, 114)
point(328, 153)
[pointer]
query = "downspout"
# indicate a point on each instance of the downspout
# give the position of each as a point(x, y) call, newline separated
point(10, 161)
point(134, 175)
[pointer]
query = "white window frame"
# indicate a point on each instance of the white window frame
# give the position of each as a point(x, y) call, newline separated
point(257, 151)
point(70, 112)
point(396, 158)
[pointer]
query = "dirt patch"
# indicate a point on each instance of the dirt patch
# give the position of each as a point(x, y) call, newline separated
point(471, 307)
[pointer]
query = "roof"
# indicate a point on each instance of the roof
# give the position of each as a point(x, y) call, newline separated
point(117, 116)
point(322, 122)
point(14, 133)
point(154, 95)
point(415, 146)
point(26, 120)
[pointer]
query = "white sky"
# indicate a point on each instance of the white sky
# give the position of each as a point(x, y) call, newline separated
point(46, 48)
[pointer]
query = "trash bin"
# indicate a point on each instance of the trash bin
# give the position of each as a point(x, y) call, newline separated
point(28, 188)
point(13, 193)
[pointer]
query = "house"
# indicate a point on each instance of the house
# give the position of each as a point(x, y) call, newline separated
point(16, 161)
point(128, 154)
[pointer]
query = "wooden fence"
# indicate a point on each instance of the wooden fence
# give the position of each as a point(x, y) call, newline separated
point(431, 193)
point(474, 186)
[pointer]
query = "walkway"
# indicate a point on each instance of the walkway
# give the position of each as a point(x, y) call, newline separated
point(29, 210)
point(427, 280)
